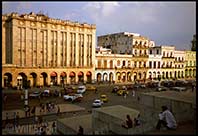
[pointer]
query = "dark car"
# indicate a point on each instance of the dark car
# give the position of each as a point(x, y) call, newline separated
point(115, 89)
point(178, 89)
point(161, 88)
point(35, 95)
point(168, 83)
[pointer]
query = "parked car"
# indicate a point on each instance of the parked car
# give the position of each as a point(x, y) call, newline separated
point(45, 93)
point(71, 97)
point(161, 88)
point(97, 103)
point(81, 89)
point(168, 83)
point(36, 94)
point(129, 87)
point(115, 89)
point(104, 98)
point(179, 89)
point(90, 88)
point(122, 92)
point(139, 85)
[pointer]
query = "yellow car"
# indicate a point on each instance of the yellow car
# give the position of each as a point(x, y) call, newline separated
point(104, 98)
point(91, 88)
point(122, 92)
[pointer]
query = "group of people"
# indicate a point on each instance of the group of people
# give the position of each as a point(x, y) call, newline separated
point(131, 123)
point(166, 119)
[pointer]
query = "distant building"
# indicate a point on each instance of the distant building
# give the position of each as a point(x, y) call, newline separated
point(190, 67)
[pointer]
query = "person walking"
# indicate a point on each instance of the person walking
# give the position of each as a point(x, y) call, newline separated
point(128, 123)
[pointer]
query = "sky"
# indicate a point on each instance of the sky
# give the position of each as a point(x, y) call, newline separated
point(166, 23)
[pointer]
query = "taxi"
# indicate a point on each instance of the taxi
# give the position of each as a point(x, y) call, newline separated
point(122, 92)
point(90, 88)
point(104, 98)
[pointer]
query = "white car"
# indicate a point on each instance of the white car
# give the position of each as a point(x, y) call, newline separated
point(97, 103)
point(81, 89)
point(72, 97)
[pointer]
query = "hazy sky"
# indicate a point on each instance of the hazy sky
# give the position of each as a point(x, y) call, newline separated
point(167, 23)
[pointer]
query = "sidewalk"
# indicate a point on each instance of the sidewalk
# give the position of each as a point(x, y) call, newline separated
point(21, 113)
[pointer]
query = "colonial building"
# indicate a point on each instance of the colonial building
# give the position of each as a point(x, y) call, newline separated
point(40, 50)
point(190, 67)
point(179, 64)
point(167, 62)
point(113, 67)
point(132, 44)
point(155, 63)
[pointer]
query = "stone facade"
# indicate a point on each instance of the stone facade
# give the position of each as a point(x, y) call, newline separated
point(40, 50)
point(190, 64)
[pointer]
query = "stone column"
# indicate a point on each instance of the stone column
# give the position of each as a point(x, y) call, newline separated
point(77, 50)
point(68, 49)
point(58, 48)
point(58, 79)
point(49, 44)
point(85, 49)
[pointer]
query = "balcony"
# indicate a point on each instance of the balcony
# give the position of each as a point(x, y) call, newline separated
point(167, 57)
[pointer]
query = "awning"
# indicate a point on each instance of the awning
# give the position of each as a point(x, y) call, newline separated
point(88, 74)
point(72, 74)
point(53, 74)
point(63, 74)
point(80, 74)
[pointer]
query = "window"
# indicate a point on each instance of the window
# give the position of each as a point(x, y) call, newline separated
point(135, 64)
point(118, 63)
point(150, 64)
point(154, 65)
point(150, 51)
point(158, 64)
point(157, 51)
point(123, 63)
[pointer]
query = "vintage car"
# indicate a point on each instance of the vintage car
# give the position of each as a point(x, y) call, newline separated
point(104, 98)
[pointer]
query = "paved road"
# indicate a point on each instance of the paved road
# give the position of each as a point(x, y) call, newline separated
point(14, 102)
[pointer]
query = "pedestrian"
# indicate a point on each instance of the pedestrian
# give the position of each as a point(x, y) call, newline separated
point(192, 88)
point(133, 93)
point(125, 95)
point(33, 110)
point(167, 119)
point(80, 130)
point(58, 110)
point(96, 90)
point(17, 118)
point(137, 120)
point(54, 128)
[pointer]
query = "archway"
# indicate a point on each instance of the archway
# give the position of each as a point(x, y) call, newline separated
point(182, 74)
point(89, 74)
point(144, 76)
point(118, 76)
point(123, 77)
point(139, 76)
point(129, 77)
point(190, 72)
point(111, 77)
point(166, 74)
point(80, 77)
point(194, 72)
point(44, 79)
point(186, 73)
point(98, 77)
point(178, 74)
point(22, 81)
point(7, 80)
point(72, 76)
point(105, 77)
point(53, 77)
point(135, 76)
point(175, 74)
point(34, 80)
point(150, 75)
point(154, 75)
point(63, 78)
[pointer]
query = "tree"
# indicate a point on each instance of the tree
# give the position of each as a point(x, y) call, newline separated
point(193, 42)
